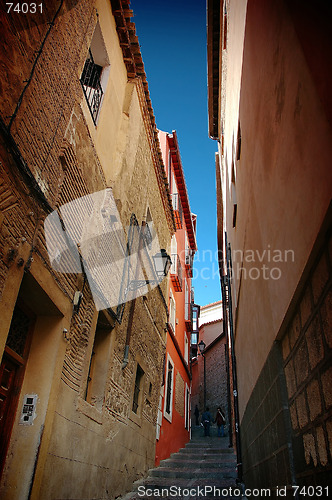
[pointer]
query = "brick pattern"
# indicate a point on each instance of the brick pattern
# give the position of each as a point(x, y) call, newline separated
point(307, 355)
point(264, 436)
point(216, 385)
point(286, 429)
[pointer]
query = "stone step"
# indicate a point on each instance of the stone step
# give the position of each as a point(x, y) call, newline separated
point(201, 463)
point(203, 473)
point(199, 452)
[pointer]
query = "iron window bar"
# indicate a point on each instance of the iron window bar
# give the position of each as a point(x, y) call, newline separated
point(90, 81)
point(176, 272)
point(177, 207)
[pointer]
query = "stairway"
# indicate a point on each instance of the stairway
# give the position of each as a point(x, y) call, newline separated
point(206, 467)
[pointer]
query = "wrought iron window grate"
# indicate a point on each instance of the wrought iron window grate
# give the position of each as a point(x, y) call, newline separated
point(90, 81)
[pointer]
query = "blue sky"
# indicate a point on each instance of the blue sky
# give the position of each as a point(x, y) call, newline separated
point(172, 36)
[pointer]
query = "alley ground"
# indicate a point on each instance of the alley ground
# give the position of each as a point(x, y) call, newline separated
point(206, 467)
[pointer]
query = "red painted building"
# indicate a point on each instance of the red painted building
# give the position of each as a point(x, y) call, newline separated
point(173, 426)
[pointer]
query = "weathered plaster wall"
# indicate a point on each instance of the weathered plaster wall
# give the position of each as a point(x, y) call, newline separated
point(73, 449)
point(276, 176)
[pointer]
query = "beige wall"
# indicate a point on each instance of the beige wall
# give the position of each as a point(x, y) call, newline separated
point(283, 178)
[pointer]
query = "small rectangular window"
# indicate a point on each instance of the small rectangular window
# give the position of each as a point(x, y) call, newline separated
point(95, 386)
point(95, 73)
point(169, 389)
point(137, 388)
point(90, 81)
point(187, 405)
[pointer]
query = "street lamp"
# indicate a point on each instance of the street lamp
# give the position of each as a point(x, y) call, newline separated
point(201, 347)
point(162, 263)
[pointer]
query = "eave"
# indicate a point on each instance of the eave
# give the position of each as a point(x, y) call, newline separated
point(132, 58)
point(213, 58)
point(182, 188)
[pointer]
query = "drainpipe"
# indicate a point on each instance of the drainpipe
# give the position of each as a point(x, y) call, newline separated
point(233, 358)
point(133, 302)
point(229, 409)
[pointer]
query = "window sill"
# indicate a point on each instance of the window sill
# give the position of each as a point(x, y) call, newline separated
point(89, 410)
point(168, 416)
point(135, 418)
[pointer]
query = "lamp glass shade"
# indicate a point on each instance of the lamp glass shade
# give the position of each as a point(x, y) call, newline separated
point(162, 263)
point(201, 346)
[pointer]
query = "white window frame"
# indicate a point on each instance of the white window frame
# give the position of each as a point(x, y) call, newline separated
point(187, 408)
point(172, 310)
point(168, 415)
point(186, 301)
point(186, 348)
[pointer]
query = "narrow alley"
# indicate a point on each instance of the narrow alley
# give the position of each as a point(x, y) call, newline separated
point(165, 249)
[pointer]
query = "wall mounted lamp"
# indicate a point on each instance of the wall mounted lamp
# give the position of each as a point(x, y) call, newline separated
point(162, 263)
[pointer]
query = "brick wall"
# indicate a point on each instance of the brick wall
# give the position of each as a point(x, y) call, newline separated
point(44, 112)
point(307, 358)
point(216, 381)
point(286, 428)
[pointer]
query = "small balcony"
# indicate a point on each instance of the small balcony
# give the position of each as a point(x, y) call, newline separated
point(90, 81)
point(177, 207)
point(188, 317)
point(176, 273)
point(189, 263)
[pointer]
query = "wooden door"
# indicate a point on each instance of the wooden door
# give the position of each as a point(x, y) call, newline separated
point(12, 371)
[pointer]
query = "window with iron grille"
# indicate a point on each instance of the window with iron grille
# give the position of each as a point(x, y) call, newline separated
point(95, 73)
point(90, 81)
point(137, 388)
point(169, 389)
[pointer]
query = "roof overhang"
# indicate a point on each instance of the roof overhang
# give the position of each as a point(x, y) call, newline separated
point(132, 58)
point(182, 188)
point(214, 24)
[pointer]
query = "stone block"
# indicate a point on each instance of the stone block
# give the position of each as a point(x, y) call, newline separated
point(310, 449)
point(326, 316)
point(301, 363)
point(319, 278)
point(327, 387)
point(294, 330)
point(329, 434)
point(306, 306)
point(301, 409)
point(290, 378)
point(315, 342)
point(314, 399)
point(293, 415)
point(285, 346)
point(321, 445)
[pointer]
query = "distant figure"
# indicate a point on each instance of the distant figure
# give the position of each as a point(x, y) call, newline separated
point(221, 421)
point(196, 413)
point(206, 421)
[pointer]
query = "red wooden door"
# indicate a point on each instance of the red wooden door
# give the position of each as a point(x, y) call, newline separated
point(12, 371)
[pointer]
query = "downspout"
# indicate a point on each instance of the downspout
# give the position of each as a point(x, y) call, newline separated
point(133, 304)
point(233, 357)
point(229, 409)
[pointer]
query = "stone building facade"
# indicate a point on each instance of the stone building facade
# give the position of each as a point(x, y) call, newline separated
point(270, 110)
point(80, 371)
